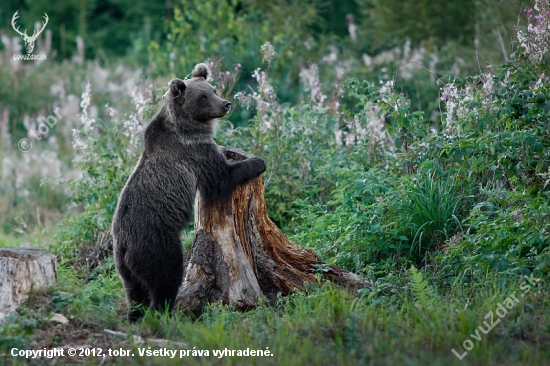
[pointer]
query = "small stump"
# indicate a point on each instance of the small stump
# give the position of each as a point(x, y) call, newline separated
point(23, 269)
point(240, 256)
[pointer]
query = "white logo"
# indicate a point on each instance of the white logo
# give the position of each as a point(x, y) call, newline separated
point(29, 41)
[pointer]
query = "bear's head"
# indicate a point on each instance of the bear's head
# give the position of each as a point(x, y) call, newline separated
point(197, 98)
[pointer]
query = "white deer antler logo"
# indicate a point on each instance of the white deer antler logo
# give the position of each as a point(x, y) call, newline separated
point(29, 41)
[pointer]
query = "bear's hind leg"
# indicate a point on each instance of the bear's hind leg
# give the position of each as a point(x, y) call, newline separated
point(139, 300)
point(137, 295)
point(164, 298)
point(166, 284)
point(161, 269)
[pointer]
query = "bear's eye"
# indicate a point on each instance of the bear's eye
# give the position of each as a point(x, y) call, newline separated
point(216, 91)
point(203, 97)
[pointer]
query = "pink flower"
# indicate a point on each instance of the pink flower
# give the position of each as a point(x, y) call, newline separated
point(528, 10)
point(538, 18)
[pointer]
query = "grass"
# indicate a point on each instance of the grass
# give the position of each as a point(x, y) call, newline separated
point(406, 323)
point(10, 241)
point(432, 205)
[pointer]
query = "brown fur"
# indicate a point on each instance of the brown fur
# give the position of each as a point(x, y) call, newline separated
point(179, 158)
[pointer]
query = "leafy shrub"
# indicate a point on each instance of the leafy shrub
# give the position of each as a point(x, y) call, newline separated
point(295, 141)
point(107, 152)
point(347, 230)
point(497, 138)
point(492, 142)
point(508, 232)
point(373, 217)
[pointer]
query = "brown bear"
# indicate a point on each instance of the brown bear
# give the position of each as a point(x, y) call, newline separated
point(179, 158)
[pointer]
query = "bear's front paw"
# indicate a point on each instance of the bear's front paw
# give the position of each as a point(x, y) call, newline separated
point(258, 164)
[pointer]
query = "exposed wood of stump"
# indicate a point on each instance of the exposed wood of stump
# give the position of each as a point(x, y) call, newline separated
point(23, 269)
point(240, 256)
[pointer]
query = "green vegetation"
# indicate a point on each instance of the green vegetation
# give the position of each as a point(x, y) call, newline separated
point(418, 159)
point(402, 320)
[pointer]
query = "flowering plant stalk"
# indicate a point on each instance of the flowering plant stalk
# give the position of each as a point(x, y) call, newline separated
point(535, 38)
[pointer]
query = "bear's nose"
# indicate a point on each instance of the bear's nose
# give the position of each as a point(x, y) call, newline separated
point(226, 105)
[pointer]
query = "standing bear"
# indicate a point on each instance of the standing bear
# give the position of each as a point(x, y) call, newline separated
point(179, 158)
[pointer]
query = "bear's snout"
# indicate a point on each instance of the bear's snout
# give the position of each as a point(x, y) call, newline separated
point(226, 106)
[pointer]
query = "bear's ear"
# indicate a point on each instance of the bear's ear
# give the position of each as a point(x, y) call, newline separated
point(200, 71)
point(177, 86)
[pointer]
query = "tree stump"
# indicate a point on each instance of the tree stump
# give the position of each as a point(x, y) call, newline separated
point(23, 269)
point(240, 256)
